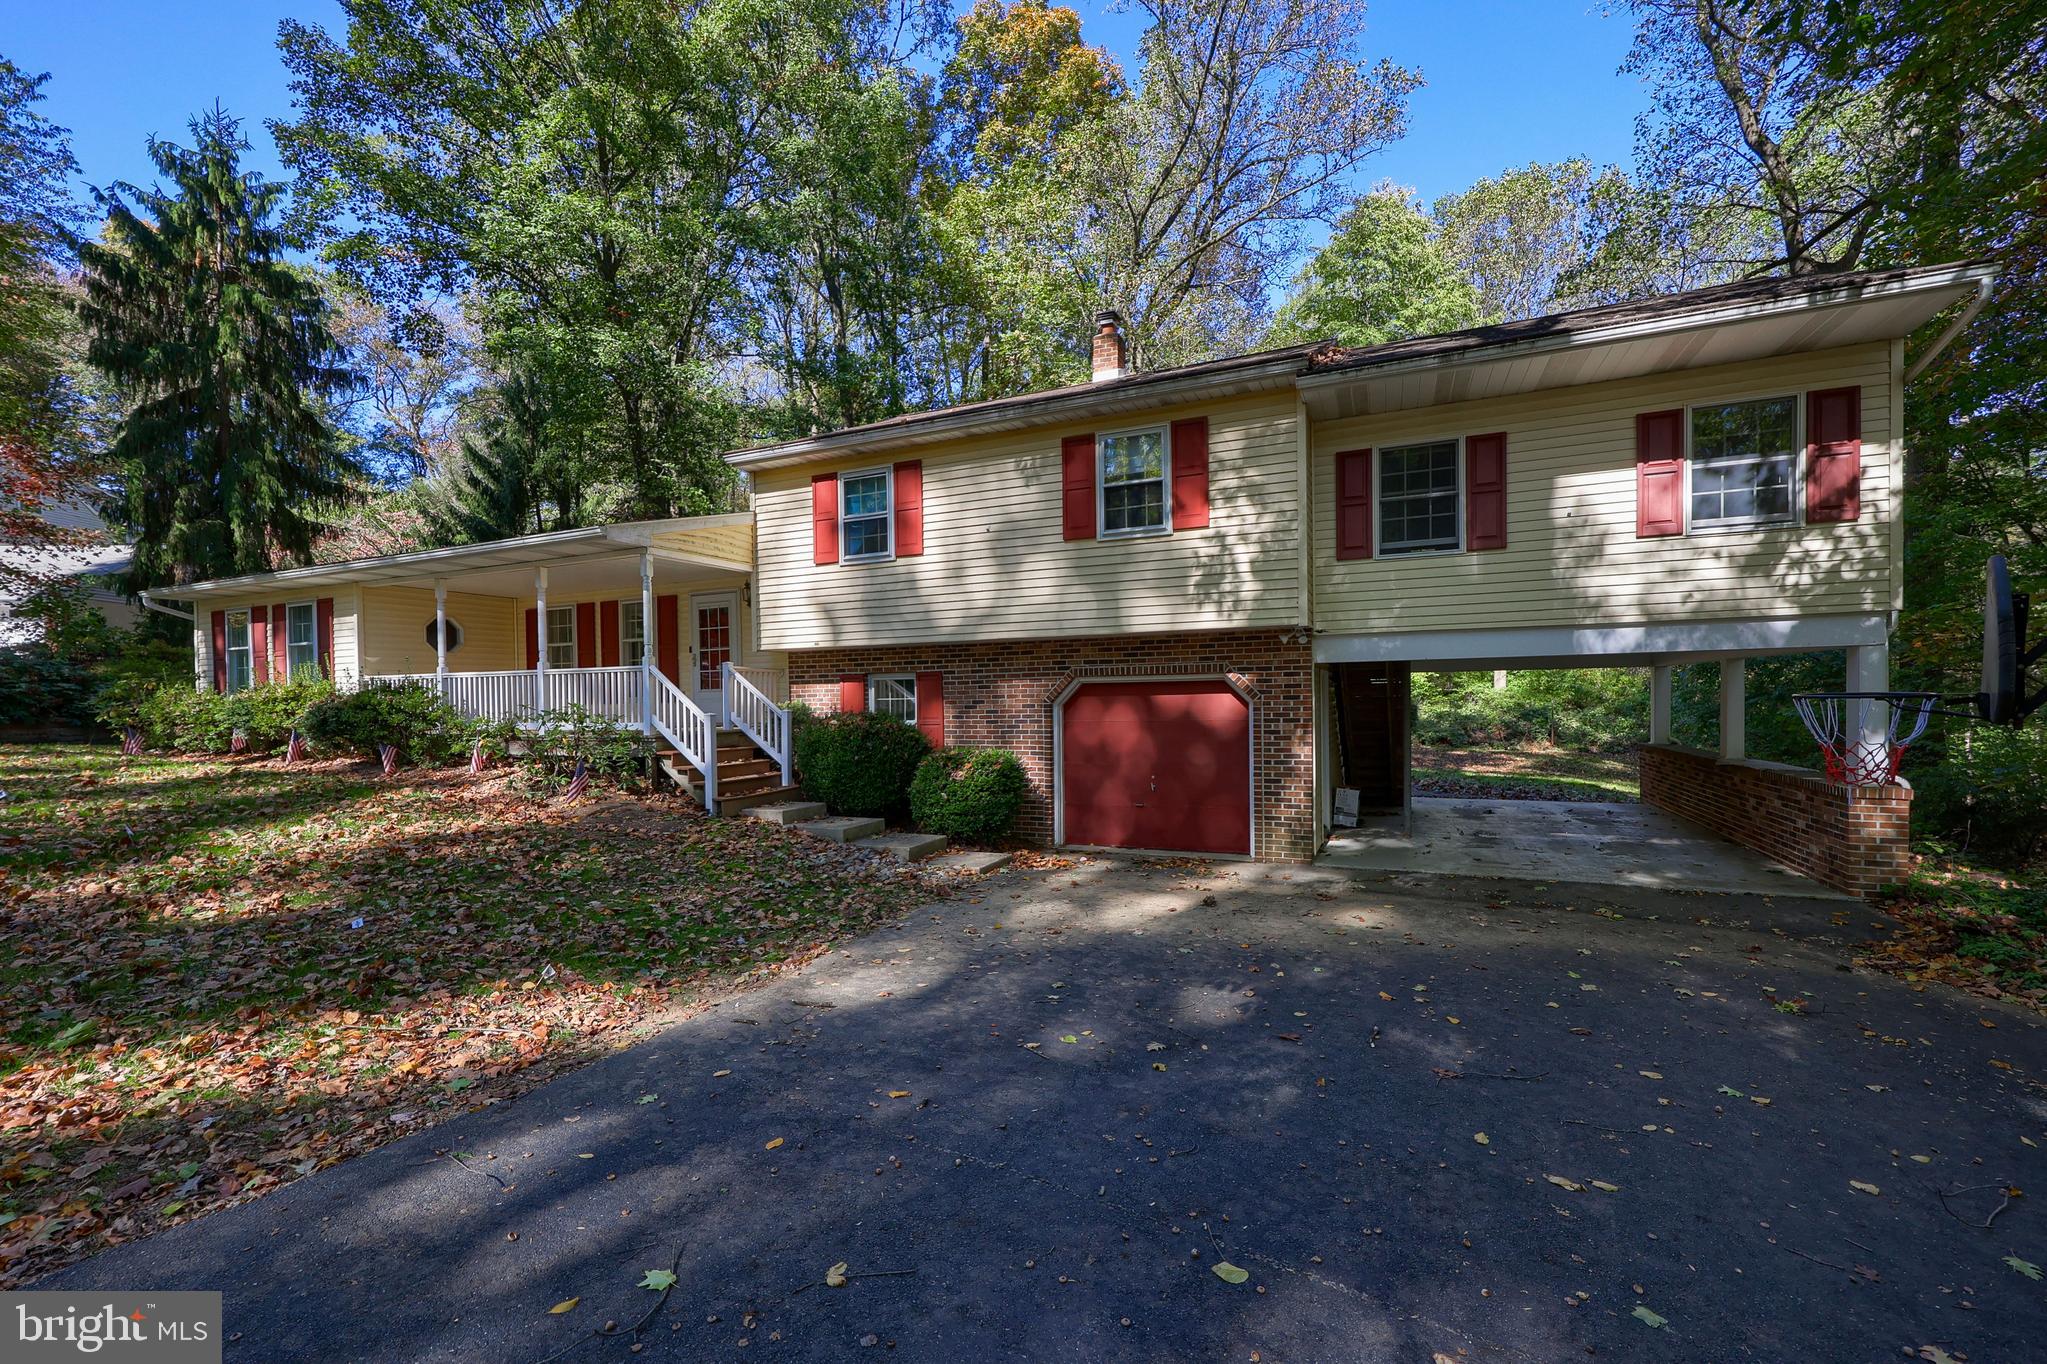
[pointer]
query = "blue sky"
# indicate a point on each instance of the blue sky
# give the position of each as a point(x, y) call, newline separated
point(121, 70)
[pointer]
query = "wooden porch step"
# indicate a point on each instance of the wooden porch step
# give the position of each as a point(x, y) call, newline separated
point(731, 803)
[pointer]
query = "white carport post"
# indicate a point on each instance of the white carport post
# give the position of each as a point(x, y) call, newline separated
point(1733, 709)
point(539, 639)
point(441, 635)
point(647, 641)
point(1661, 679)
point(1869, 669)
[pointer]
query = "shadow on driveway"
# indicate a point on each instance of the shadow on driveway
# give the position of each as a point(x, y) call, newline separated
point(1041, 1114)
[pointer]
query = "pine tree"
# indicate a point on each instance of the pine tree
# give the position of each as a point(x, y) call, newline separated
point(223, 353)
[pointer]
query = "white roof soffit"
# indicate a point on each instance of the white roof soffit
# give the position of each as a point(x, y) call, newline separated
point(1081, 402)
point(1745, 330)
point(555, 549)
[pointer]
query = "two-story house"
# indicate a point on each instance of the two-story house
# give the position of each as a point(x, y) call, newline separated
point(1190, 599)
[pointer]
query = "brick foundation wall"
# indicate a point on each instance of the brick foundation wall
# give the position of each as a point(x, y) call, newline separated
point(1001, 695)
point(1794, 816)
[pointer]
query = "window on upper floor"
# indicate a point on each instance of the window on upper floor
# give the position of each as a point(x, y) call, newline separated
point(1418, 488)
point(894, 695)
point(1744, 462)
point(866, 519)
point(1133, 483)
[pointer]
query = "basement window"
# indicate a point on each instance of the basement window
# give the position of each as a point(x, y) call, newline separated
point(895, 696)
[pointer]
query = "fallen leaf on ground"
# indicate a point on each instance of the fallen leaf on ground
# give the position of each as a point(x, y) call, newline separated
point(658, 1280)
point(1573, 1185)
point(2025, 1267)
point(1649, 1318)
point(835, 1277)
point(1229, 1273)
point(1609, 1188)
point(1482, 1139)
point(565, 1305)
point(773, 1144)
point(1861, 1186)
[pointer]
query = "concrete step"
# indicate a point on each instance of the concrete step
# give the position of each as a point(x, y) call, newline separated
point(841, 828)
point(975, 863)
point(904, 847)
point(787, 811)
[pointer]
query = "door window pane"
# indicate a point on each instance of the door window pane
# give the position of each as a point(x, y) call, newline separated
point(714, 645)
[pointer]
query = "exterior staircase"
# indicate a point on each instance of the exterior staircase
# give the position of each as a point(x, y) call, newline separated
point(746, 776)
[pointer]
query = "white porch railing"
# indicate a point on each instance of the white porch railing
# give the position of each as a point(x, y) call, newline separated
point(613, 692)
point(773, 683)
point(757, 716)
point(695, 735)
point(482, 696)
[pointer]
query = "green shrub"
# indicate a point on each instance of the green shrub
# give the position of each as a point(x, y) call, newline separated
point(177, 717)
point(859, 764)
point(39, 688)
point(426, 729)
point(1980, 786)
point(968, 793)
point(268, 714)
point(612, 752)
point(1582, 708)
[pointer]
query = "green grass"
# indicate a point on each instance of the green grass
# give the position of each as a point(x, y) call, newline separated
point(1526, 774)
point(1972, 924)
point(183, 983)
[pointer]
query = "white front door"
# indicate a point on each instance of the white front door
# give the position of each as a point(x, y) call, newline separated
point(713, 642)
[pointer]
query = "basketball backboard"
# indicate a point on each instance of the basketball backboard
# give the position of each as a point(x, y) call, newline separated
point(2004, 699)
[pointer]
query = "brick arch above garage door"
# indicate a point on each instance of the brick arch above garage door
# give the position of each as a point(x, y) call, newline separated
point(1158, 764)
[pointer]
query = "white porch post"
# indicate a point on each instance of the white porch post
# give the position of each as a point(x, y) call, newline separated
point(540, 639)
point(1661, 678)
point(1869, 669)
point(1733, 709)
point(647, 640)
point(441, 630)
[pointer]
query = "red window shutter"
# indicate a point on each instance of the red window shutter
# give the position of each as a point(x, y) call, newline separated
point(323, 614)
point(668, 636)
point(1077, 487)
point(280, 639)
point(259, 643)
point(824, 519)
point(1833, 454)
point(1660, 473)
point(909, 483)
point(1190, 473)
point(1485, 491)
point(931, 707)
point(220, 651)
point(586, 634)
point(1354, 504)
point(852, 693)
point(607, 613)
point(532, 637)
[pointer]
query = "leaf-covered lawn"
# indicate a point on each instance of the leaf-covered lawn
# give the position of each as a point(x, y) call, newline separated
point(1980, 927)
point(1525, 774)
point(218, 976)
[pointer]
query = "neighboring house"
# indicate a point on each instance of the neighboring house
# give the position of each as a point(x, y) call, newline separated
point(97, 566)
point(1191, 600)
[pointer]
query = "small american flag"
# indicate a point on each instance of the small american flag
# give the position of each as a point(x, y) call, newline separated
point(387, 754)
point(238, 742)
point(478, 759)
point(295, 748)
point(131, 742)
point(579, 784)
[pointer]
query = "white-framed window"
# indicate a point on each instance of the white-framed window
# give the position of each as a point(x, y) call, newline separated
point(301, 639)
point(561, 636)
point(1131, 483)
point(867, 502)
point(632, 632)
point(893, 694)
point(1744, 463)
point(241, 662)
point(454, 634)
point(1418, 495)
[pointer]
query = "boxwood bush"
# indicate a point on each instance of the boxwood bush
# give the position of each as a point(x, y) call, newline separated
point(859, 764)
point(615, 754)
point(968, 793)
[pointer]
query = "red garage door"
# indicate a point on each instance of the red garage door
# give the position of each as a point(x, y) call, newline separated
point(1157, 765)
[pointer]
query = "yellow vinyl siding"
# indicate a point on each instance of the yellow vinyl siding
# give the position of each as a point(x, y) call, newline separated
point(345, 665)
point(1572, 556)
point(394, 632)
point(995, 563)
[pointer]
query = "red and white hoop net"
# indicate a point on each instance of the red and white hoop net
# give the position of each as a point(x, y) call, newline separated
point(1860, 745)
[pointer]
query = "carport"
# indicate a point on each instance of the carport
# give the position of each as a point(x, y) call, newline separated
point(1719, 820)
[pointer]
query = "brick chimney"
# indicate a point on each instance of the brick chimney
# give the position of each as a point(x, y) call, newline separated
point(1108, 346)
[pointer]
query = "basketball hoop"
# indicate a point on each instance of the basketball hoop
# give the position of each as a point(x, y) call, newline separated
point(1850, 750)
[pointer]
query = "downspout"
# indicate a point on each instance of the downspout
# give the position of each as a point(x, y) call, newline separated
point(1953, 329)
point(155, 605)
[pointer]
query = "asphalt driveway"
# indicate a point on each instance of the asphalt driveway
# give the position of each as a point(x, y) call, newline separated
point(1031, 1122)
